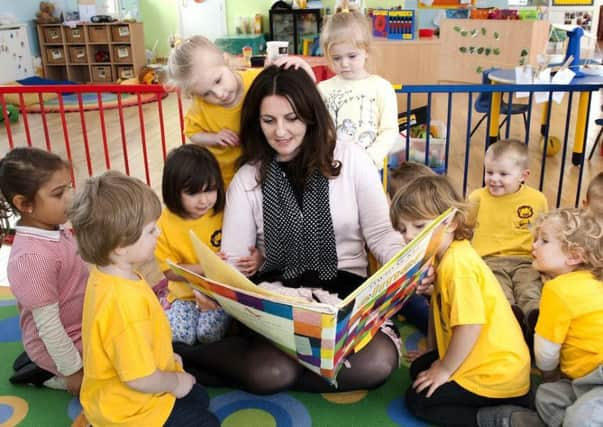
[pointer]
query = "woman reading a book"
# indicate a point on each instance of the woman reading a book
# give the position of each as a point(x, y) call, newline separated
point(310, 205)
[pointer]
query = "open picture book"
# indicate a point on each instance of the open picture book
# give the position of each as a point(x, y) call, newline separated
point(318, 335)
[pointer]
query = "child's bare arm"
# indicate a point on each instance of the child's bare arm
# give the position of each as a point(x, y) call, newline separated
point(177, 383)
point(462, 342)
point(225, 137)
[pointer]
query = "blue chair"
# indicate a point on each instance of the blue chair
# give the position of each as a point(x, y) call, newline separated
point(482, 105)
point(592, 151)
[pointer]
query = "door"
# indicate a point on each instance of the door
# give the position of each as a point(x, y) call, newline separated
point(204, 17)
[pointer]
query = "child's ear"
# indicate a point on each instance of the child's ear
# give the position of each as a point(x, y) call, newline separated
point(524, 175)
point(22, 204)
point(575, 257)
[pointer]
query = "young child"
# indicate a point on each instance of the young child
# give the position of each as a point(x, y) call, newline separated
point(568, 249)
point(505, 209)
point(480, 358)
point(363, 106)
point(45, 272)
point(594, 196)
point(199, 68)
point(416, 308)
point(131, 375)
point(193, 194)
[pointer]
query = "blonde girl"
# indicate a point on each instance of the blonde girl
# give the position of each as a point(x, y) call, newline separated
point(45, 272)
point(363, 105)
point(202, 70)
point(478, 357)
point(568, 249)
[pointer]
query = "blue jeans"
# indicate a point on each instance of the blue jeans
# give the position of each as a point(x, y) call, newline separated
point(192, 410)
point(416, 311)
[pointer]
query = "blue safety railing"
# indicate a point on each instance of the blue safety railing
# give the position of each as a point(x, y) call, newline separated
point(507, 90)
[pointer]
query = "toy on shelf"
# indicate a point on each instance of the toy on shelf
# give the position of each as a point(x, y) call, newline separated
point(394, 24)
point(46, 14)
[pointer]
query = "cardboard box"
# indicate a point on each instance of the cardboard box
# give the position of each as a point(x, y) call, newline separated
point(55, 55)
point(122, 53)
point(53, 34)
point(101, 73)
point(125, 72)
point(74, 35)
point(120, 33)
point(98, 34)
point(77, 54)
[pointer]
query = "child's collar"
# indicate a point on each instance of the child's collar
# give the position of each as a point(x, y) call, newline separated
point(53, 235)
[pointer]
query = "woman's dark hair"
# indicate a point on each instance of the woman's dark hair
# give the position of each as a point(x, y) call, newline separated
point(23, 171)
point(190, 169)
point(319, 142)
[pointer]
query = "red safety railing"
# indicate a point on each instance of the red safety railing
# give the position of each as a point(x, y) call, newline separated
point(85, 116)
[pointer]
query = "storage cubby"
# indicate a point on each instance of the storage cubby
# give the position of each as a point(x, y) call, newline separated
point(92, 52)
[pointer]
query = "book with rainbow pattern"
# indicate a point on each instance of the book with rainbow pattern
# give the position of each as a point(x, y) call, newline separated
point(318, 335)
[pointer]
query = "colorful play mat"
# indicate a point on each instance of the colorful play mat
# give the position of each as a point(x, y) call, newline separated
point(383, 407)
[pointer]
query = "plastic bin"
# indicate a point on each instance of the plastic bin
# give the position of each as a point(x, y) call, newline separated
point(436, 159)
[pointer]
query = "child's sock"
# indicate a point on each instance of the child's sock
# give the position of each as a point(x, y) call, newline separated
point(56, 383)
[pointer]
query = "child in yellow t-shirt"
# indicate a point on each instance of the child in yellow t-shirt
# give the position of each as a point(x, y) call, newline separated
point(568, 347)
point(505, 209)
point(199, 68)
point(476, 354)
point(594, 196)
point(132, 377)
point(193, 194)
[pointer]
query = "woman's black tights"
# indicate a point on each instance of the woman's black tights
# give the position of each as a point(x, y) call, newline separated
point(255, 365)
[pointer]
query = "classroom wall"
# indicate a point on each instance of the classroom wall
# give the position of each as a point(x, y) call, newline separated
point(162, 15)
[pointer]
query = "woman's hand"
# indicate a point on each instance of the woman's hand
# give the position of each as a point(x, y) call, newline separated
point(250, 264)
point(432, 378)
point(205, 303)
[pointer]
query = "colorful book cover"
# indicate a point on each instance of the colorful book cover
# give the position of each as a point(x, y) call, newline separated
point(319, 335)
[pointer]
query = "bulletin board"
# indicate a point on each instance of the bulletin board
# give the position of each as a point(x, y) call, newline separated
point(448, 4)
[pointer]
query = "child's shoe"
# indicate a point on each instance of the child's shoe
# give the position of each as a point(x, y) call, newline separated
point(507, 416)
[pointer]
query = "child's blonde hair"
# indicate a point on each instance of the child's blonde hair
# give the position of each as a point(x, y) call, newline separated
point(510, 148)
point(594, 196)
point(182, 58)
point(579, 233)
point(400, 176)
point(109, 212)
point(427, 197)
point(348, 25)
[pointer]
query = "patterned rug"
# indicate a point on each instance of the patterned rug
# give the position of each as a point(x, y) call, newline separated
point(39, 407)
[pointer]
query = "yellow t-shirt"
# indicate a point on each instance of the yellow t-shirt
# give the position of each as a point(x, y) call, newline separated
point(212, 118)
point(571, 314)
point(467, 293)
point(503, 222)
point(125, 336)
point(175, 244)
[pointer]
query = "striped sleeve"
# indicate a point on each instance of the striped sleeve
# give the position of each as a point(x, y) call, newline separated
point(33, 280)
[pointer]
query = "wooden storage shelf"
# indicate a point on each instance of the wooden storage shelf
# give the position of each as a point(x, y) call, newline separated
point(71, 53)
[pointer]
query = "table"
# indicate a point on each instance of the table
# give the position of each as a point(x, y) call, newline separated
point(507, 76)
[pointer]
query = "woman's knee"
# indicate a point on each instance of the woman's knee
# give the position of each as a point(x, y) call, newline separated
point(271, 373)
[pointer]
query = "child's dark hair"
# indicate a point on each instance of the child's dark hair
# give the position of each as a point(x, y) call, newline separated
point(23, 171)
point(403, 174)
point(427, 197)
point(190, 169)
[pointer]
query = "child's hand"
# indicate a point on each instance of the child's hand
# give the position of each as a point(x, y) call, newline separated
point(178, 359)
point(195, 268)
point(412, 355)
point(295, 62)
point(222, 256)
point(74, 382)
point(426, 285)
point(226, 138)
point(248, 265)
point(185, 384)
point(204, 303)
point(433, 377)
